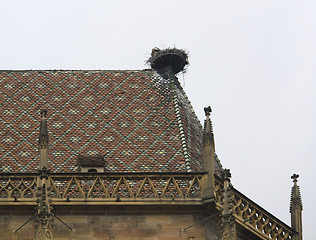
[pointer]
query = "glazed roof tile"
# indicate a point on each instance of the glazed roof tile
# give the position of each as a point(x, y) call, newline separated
point(137, 120)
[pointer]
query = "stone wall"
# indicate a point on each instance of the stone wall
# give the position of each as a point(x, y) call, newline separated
point(119, 222)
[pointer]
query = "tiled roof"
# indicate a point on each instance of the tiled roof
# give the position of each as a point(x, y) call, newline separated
point(135, 119)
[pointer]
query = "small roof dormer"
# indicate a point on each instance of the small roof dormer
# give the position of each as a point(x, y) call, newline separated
point(91, 163)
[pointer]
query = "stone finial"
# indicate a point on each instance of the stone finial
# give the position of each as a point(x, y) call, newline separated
point(207, 111)
point(43, 113)
point(295, 177)
point(208, 128)
point(226, 175)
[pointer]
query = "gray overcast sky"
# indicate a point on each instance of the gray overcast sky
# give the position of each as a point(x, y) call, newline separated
point(253, 61)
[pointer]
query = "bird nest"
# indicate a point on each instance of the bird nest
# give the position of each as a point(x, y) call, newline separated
point(168, 59)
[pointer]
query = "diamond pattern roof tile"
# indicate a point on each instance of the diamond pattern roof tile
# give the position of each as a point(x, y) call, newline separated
point(135, 119)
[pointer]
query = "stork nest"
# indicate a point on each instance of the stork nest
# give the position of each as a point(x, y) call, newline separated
point(176, 59)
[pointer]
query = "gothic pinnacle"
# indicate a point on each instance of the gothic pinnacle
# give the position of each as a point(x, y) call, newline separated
point(228, 225)
point(43, 141)
point(43, 133)
point(208, 155)
point(208, 128)
point(227, 206)
point(296, 200)
point(296, 208)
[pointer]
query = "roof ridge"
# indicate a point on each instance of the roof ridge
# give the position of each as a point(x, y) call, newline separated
point(78, 70)
point(189, 102)
point(183, 140)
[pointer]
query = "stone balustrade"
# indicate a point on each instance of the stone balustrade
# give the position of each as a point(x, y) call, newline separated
point(139, 188)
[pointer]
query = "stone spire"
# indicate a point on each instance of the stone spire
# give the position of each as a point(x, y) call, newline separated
point(43, 217)
point(228, 225)
point(208, 155)
point(43, 141)
point(296, 208)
